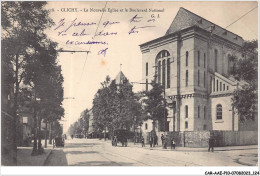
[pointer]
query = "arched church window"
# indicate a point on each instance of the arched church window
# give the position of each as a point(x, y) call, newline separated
point(219, 112)
point(163, 63)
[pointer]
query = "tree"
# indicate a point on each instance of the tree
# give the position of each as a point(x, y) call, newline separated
point(155, 104)
point(246, 70)
point(26, 47)
point(115, 106)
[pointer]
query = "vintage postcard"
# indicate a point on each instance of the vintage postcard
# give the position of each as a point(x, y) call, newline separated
point(102, 83)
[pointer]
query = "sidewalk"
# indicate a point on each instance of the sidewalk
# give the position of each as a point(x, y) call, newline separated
point(189, 149)
point(24, 157)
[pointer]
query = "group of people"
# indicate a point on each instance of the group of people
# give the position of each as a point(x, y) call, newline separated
point(165, 142)
point(153, 140)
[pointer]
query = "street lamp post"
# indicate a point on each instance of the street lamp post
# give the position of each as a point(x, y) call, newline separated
point(35, 151)
point(134, 129)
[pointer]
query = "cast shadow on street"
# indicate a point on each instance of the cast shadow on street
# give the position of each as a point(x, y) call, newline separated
point(80, 152)
point(79, 145)
point(57, 158)
point(102, 163)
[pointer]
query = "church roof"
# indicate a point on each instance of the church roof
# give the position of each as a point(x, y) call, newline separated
point(185, 19)
point(120, 78)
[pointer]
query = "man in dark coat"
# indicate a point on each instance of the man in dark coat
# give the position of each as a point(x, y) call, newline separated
point(162, 138)
point(142, 141)
point(211, 143)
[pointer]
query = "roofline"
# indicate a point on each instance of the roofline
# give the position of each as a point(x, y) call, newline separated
point(182, 30)
point(210, 22)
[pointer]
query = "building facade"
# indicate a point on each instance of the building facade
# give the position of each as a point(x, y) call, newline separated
point(193, 62)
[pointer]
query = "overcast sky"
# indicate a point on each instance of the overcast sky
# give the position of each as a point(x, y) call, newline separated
point(83, 74)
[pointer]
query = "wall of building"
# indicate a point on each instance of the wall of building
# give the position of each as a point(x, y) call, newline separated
point(226, 122)
point(190, 120)
point(200, 138)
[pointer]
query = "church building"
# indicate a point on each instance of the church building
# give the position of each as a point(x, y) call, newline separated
point(193, 62)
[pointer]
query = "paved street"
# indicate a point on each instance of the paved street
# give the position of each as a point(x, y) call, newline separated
point(94, 152)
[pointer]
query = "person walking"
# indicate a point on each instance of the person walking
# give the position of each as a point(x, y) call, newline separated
point(172, 144)
point(211, 143)
point(165, 142)
point(142, 141)
point(162, 138)
point(150, 141)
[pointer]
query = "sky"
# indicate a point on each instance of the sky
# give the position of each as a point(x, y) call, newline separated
point(76, 24)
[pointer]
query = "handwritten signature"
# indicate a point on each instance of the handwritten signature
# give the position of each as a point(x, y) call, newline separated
point(134, 29)
point(135, 19)
point(103, 51)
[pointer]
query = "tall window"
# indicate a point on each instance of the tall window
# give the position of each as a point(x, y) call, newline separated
point(198, 111)
point(210, 84)
point(163, 73)
point(186, 125)
point(205, 112)
point(161, 59)
point(186, 111)
point(214, 88)
point(198, 58)
point(216, 60)
point(146, 126)
point(224, 87)
point(230, 64)
point(219, 112)
point(187, 58)
point(204, 127)
point(187, 77)
point(217, 85)
point(204, 79)
point(159, 72)
point(220, 86)
point(198, 77)
point(146, 68)
point(168, 73)
point(204, 60)
point(146, 85)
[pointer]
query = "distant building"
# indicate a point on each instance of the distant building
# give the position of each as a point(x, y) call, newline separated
point(193, 63)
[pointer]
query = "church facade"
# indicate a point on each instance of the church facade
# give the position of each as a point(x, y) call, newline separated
point(193, 62)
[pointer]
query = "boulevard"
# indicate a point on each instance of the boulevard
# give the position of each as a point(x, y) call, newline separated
point(95, 152)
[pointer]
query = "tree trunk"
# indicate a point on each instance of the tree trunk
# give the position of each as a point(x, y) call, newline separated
point(16, 117)
point(50, 133)
point(40, 149)
point(34, 151)
point(45, 144)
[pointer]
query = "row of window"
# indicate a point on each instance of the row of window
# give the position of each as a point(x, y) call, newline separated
point(187, 59)
point(217, 85)
point(218, 115)
point(204, 78)
point(164, 71)
point(218, 110)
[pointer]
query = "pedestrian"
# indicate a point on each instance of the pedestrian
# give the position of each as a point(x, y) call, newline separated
point(115, 141)
point(150, 141)
point(172, 144)
point(211, 143)
point(162, 138)
point(165, 142)
point(142, 141)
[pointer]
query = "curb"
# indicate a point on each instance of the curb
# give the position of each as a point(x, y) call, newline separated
point(45, 161)
point(206, 149)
